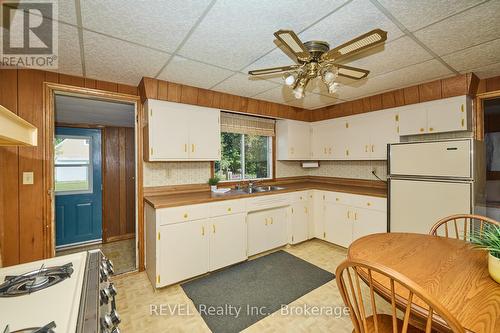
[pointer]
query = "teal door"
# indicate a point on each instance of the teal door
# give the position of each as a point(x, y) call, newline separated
point(78, 179)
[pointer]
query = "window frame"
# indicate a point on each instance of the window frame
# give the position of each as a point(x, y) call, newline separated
point(272, 166)
point(89, 165)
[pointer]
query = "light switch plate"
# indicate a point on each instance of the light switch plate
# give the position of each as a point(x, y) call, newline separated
point(28, 178)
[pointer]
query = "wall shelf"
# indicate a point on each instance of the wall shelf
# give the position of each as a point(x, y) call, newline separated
point(15, 131)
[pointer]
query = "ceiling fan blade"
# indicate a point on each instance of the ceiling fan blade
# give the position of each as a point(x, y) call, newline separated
point(352, 72)
point(273, 70)
point(363, 42)
point(292, 42)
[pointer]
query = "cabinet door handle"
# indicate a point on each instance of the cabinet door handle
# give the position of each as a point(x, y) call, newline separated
point(271, 220)
point(348, 215)
point(266, 221)
point(203, 230)
point(355, 216)
point(213, 228)
point(373, 148)
point(185, 147)
point(366, 148)
point(192, 148)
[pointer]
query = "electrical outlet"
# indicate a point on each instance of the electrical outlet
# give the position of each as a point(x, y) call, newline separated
point(28, 178)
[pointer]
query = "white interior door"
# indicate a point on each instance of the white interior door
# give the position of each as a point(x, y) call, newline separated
point(183, 251)
point(228, 242)
point(415, 206)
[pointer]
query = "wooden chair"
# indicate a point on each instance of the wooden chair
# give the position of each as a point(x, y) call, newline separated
point(462, 226)
point(348, 276)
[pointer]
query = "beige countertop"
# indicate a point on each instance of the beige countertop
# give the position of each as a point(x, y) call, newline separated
point(181, 198)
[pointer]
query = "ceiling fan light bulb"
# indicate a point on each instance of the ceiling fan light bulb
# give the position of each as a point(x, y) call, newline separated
point(298, 92)
point(333, 87)
point(329, 77)
point(289, 79)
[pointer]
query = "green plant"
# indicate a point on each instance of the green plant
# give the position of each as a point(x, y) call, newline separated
point(489, 240)
point(213, 181)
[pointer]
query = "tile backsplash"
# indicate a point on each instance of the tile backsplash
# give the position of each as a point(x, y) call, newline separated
point(175, 173)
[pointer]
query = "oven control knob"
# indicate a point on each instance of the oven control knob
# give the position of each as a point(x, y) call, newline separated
point(103, 274)
point(112, 290)
point(104, 296)
point(106, 323)
point(108, 266)
point(115, 318)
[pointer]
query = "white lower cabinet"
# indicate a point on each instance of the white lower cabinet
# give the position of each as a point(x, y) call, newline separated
point(183, 251)
point(338, 228)
point(266, 230)
point(186, 241)
point(228, 243)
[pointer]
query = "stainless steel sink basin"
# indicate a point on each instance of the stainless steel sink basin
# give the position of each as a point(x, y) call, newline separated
point(260, 189)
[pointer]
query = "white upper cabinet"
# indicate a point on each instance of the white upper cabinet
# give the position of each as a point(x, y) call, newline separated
point(181, 132)
point(338, 138)
point(293, 140)
point(358, 133)
point(450, 114)
point(444, 115)
point(321, 148)
point(383, 129)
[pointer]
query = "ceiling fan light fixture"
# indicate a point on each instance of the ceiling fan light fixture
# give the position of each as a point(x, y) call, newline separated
point(333, 87)
point(298, 92)
point(330, 76)
point(290, 79)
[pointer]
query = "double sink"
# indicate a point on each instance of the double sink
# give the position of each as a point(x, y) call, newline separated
point(260, 189)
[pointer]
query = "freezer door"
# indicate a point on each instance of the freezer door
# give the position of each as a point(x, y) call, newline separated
point(432, 159)
point(416, 205)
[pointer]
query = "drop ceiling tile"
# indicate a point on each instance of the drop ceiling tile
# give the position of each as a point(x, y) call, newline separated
point(280, 94)
point(274, 59)
point(486, 71)
point(395, 55)
point(193, 73)
point(352, 20)
point(66, 11)
point(417, 14)
point(472, 27)
point(118, 61)
point(474, 57)
point(415, 74)
point(243, 85)
point(154, 23)
point(69, 60)
point(234, 33)
point(312, 101)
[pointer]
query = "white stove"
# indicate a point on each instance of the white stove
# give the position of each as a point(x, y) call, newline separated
point(62, 294)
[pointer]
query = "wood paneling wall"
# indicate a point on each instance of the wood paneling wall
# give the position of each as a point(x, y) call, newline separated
point(174, 92)
point(465, 84)
point(119, 183)
point(22, 212)
point(489, 85)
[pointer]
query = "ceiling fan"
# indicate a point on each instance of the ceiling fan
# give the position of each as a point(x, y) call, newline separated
point(315, 58)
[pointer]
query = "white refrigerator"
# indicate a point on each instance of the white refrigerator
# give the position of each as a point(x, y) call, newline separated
point(433, 179)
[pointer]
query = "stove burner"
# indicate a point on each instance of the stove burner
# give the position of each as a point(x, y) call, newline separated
point(34, 281)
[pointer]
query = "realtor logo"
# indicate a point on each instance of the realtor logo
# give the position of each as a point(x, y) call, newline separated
point(29, 34)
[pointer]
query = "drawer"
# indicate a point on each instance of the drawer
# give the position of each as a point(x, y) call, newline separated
point(375, 203)
point(300, 196)
point(268, 202)
point(339, 197)
point(227, 207)
point(182, 213)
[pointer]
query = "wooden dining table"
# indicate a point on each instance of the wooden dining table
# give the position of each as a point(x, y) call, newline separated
point(451, 270)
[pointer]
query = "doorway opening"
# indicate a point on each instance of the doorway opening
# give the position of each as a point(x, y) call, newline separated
point(95, 178)
point(491, 109)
